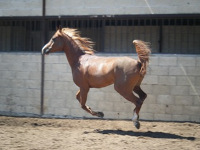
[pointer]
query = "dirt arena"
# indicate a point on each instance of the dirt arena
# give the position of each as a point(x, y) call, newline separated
point(78, 134)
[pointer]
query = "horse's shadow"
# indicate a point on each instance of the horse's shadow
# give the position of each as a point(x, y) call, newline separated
point(150, 134)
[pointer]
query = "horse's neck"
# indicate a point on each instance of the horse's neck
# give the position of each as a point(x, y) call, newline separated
point(73, 53)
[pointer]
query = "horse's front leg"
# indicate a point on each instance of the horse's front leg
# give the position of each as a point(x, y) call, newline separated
point(78, 95)
point(82, 98)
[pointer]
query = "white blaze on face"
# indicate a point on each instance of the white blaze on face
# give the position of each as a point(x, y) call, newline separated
point(47, 47)
point(43, 49)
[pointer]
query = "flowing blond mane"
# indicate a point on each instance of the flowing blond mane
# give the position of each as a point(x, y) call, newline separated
point(85, 44)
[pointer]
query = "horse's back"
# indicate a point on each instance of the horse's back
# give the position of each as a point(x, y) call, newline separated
point(102, 71)
point(98, 71)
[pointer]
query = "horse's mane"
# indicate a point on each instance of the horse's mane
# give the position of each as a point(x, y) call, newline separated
point(85, 44)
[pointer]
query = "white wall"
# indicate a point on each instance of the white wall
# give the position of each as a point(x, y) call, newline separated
point(118, 7)
point(20, 83)
point(172, 84)
point(20, 7)
point(97, 7)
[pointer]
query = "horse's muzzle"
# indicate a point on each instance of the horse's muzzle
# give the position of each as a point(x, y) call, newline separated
point(45, 49)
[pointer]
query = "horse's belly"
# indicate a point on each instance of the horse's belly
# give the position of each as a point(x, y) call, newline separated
point(100, 80)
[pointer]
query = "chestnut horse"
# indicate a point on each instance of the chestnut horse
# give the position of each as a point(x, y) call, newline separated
point(90, 71)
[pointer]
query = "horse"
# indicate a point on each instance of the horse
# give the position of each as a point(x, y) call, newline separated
point(91, 71)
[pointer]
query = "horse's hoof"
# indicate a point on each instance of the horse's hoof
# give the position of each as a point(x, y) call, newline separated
point(137, 124)
point(100, 114)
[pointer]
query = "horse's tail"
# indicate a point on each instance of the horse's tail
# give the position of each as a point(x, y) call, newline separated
point(143, 50)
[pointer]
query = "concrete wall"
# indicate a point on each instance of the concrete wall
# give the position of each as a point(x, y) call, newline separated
point(117, 7)
point(96, 7)
point(172, 84)
point(20, 83)
point(20, 7)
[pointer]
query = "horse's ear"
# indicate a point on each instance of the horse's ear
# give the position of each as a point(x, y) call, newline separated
point(59, 28)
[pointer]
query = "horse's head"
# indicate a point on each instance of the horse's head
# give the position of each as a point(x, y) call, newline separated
point(55, 44)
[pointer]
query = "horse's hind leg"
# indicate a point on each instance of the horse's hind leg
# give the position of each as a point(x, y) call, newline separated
point(142, 95)
point(128, 94)
point(82, 98)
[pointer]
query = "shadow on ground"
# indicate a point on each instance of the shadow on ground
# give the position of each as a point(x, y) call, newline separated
point(144, 134)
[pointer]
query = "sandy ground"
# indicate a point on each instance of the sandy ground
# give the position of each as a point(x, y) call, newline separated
point(72, 134)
